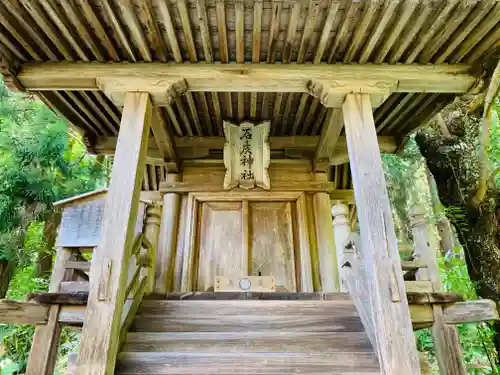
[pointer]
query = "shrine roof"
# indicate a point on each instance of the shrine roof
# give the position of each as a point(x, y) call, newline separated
point(308, 32)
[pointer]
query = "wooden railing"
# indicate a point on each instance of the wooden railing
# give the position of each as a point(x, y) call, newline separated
point(140, 270)
point(422, 277)
point(355, 282)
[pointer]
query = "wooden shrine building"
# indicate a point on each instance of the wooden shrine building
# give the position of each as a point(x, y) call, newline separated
point(239, 124)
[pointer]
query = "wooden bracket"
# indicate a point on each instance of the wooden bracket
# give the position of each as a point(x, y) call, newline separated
point(163, 91)
point(332, 93)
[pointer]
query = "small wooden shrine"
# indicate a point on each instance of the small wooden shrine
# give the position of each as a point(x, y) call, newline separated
point(239, 124)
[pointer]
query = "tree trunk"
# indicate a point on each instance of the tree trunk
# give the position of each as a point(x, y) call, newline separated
point(44, 261)
point(6, 273)
point(454, 164)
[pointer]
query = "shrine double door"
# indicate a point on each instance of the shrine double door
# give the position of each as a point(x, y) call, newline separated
point(235, 237)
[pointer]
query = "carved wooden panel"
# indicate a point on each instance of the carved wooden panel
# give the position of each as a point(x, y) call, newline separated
point(271, 243)
point(220, 242)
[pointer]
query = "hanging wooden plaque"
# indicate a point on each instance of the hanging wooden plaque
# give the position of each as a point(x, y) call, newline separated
point(246, 155)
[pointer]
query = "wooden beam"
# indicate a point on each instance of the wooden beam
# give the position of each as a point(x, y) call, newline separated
point(20, 312)
point(330, 134)
point(73, 309)
point(471, 312)
point(101, 329)
point(164, 139)
point(234, 77)
point(389, 305)
point(484, 310)
point(387, 144)
point(314, 186)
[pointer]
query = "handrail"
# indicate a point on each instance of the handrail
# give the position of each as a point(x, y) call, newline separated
point(141, 264)
point(355, 281)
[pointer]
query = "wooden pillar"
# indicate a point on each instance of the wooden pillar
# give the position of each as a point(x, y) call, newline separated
point(101, 327)
point(396, 346)
point(324, 237)
point(45, 343)
point(445, 336)
point(151, 232)
point(340, 214)
point(167, 243)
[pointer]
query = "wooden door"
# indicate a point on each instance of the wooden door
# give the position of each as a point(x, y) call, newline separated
point(220, 242)
point(271, 245)
point(240, 237)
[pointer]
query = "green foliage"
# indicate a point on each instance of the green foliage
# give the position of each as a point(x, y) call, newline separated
point(17, 338)
point(41, 161)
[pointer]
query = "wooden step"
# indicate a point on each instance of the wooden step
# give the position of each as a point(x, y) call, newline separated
point(248, 342)
point(246, 363)
point(248, 315)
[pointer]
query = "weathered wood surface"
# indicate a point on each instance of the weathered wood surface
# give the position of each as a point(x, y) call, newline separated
point(60, 298)
point(341, 232)
point(245, 78)
point(422, 316)
point(445, 336)
point(46, 338)
point(390, 311)
point(46, 344)
point(250, 342)
point(256, 363)
point(19, 312)
point(272, 248)
point(192, 31)
point(326, 243)
point(99, 343)
point(74, 286)
point(422, 298)
point(185, 145)
point(211, 316)
point(307, 296)
point(167, 241)
point(419, 286)
point(151, 240)
point(220, 243)
point(303, 241)
point(78, 265)
point(245, 283)
point(471, 312)
point(187, 187)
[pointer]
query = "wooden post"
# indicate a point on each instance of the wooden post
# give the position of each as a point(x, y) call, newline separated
point(445, 336)
point(45, 343)
point(340, 214)
point(167, 242)
point(326, 243)
point(101, 327)
point(151, 232)
point(396, 349)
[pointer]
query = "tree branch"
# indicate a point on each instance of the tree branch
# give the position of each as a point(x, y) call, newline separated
point(491, 94)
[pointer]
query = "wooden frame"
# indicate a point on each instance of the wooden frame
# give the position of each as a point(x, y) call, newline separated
point(191, 220)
